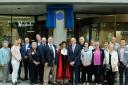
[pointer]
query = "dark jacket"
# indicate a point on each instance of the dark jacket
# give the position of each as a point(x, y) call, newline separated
point(42, 53)
point(23, 50)
point(50, 56)
point(74, 56)
point(33, 56)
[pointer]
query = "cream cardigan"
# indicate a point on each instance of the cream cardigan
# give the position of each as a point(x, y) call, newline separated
point(114, 60)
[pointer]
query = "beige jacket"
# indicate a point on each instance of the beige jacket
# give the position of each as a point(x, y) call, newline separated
point(16, 55)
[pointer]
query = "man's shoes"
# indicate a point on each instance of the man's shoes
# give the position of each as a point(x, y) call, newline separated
point(41, 82)
point(54, 83)
point(25, 79)
point(31, 83)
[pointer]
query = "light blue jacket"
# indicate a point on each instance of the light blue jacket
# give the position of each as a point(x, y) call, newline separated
point(86, 57)
point(5, 55)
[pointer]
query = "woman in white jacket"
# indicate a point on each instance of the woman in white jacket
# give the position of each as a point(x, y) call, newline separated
point(15, 61)
point(111, 62)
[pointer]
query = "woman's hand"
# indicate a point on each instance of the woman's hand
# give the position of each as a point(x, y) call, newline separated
point(36, 63)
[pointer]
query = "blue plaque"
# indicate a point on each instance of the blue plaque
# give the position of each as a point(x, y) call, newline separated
point(59, 15)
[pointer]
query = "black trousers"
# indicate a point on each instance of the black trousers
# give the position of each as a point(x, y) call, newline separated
point(110, 76)
point(98, 73)
point(80, 72)
point(86, 74)
point(33, 73)
point(41, 72)
point(74, 71)
point(26, 67)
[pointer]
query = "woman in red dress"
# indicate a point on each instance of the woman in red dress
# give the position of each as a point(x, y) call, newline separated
point(63, 72)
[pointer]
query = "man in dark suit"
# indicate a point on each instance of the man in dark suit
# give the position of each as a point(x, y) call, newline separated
point(38, 39)
point(51, 61)
point(81, 67)
point(41, 52)
point(42, 60)
point(24, 53)
point(74, 58)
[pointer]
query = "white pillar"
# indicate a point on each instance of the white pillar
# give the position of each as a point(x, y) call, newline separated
point(59, 33)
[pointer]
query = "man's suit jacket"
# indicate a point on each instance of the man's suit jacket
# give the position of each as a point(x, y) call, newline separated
point(23, 50)
point(50, 56)
point(125, 57)
point(74, 56)
point(42, 53)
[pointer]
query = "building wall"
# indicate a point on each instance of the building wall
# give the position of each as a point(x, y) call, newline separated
point(74, 1)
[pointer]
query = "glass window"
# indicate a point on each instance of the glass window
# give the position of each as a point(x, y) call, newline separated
point(5, 28)
point(23, 26)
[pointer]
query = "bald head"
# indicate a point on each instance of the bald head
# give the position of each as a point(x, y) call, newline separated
point(113, 40)
point(73, 40)
point(44, 40)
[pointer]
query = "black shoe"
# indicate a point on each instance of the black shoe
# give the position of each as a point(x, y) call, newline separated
point(70, 83)
point(25, 79)
point(14, 83)
point(35, 82)
point(31, 83)
point(41, 82)
point(18, 82)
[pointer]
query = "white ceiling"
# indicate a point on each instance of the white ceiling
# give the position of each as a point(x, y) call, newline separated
point(37, 9)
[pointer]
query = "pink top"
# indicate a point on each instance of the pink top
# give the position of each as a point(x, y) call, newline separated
point(97, 57)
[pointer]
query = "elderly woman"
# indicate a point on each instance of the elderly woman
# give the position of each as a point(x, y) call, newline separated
point(97, 62)
point(5, 55)
point(33, 62)
point(111, 61)
point(15, 61)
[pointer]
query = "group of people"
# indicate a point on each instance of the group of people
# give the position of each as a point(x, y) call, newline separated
point(70, 63)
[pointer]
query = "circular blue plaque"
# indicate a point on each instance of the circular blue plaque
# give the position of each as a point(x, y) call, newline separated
point(59, 15)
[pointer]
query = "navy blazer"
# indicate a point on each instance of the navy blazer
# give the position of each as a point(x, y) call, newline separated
point(24, 52)
point(42, 53)
point(50, 57)
point(102, 56)
point(74, 56)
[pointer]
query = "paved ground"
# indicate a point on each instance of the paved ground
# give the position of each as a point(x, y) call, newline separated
point(24, 82)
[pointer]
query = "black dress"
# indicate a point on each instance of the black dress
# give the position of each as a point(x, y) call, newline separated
point(33, 56)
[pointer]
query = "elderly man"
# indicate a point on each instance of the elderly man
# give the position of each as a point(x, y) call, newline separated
point(80, 69)
point(116, 45)
point(51, 61)
point(74, 59)
point(123, 62)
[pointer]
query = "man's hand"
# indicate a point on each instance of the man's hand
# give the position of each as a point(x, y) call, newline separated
point(72, 63)
point(127, 66)
point(46, 64)
point(25, 57)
